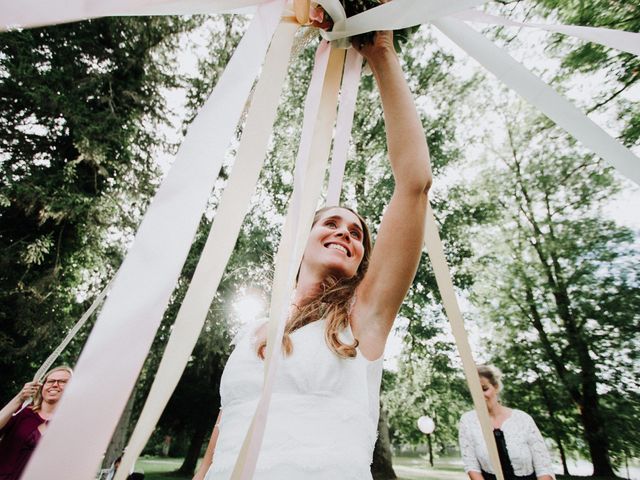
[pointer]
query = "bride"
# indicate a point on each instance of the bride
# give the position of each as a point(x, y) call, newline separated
point(324, 410)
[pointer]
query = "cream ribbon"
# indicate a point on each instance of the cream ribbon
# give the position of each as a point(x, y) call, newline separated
point(220, 242)
point(433, 244)
point(348, 97)
point(542, 96)
point(310, 166)
point(110, 362)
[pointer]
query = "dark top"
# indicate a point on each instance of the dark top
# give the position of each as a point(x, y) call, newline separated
point(19, 438)
point(505, 461)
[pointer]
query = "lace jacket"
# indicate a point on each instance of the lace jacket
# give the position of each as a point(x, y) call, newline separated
point(526, 447)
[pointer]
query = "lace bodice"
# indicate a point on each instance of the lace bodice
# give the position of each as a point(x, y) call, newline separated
point(323, 415)
point(526, 447)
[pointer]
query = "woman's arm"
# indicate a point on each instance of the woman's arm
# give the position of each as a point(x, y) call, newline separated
point(28, 391)
point(539, 453)
point(398, 245)
point(467, 450)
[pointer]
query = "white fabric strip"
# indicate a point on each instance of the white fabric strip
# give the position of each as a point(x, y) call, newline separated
point(618, 39)
point(36, 13)
point(348, 96)
point(396, 15)
point(296, 231)
point(112, 358)
point(542, 96)
point(220, 242)
point(435, 250)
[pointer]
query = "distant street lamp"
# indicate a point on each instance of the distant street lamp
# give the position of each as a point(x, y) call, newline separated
point(427, 426)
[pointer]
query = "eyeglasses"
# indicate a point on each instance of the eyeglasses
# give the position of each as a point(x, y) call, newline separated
point(52, 381)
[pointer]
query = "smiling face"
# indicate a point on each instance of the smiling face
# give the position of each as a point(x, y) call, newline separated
point(336, 244)
point(54, 385)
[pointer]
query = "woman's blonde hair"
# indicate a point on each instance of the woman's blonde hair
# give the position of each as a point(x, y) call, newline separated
point(492, 374)
point(37, 400)
point(333, 303)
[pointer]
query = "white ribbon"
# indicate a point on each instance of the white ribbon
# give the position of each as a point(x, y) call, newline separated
point(542, 96)
point(618, 39)
point(220, 242)
point(348, 97)
point(36, 13)
point(110, 362)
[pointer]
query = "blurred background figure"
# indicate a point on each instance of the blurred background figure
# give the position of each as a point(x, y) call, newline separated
point(523, 453)
point(21, 427)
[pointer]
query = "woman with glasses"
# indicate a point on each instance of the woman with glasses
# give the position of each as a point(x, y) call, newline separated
point(21, 427)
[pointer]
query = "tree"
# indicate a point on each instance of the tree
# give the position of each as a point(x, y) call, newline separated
point(586, 58)
point(557, 275)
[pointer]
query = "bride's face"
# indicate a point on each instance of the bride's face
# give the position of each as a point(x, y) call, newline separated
point(335, 245)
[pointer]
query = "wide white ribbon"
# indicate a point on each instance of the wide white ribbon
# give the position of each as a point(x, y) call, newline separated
point(110, 362)
point(618, 39)
point(36, 13)
point(220, 243)
point(542, 96)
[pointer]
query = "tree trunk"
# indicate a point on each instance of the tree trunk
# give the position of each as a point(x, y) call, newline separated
point(552, 416)
point(119, 438)
point(193, 452)
point(382, 466)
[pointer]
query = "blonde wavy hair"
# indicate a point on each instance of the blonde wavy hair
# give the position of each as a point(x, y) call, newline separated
point(333, 303)
point(37, 400)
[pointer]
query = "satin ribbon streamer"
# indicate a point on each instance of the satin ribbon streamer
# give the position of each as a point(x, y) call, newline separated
point(348, 96)
point(220, 242)
point(110, 362)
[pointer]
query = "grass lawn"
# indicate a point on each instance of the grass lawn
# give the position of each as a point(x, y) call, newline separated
point(407, 468)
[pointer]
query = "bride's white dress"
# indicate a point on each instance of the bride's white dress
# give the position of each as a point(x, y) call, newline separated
point(323, 415)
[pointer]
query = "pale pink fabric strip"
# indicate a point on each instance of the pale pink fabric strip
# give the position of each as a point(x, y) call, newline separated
point(222, 237)
point(618, 39)
point(542, 96)
point(348, 96)
point(295, 233)
point(435, 250)
point(112, 358)
point(36, 13)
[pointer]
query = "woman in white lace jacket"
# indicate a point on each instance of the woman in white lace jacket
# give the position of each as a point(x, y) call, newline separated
point(526, 455)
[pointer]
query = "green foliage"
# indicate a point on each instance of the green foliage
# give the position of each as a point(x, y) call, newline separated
point(80, 106)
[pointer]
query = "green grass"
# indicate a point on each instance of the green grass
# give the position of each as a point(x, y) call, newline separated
point(407, 468)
